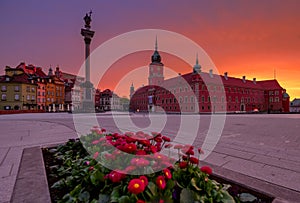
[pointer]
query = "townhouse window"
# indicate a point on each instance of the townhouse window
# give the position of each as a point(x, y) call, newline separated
point(39, 93)
point(17, 88)
point(277, 92)
point(27, 89)
point(180, 100)
point(192, 99)
point(276, 99)
point(3, 97)
point(229, 98)
point(215, 99)
point(208, 99)
point(223, 99)
point(236, 99)
point(185, 99)
point(3, 88)
point(17, 97)
point(270, 93)
point(203, 99)
point(32, 97)
point(39, 100)
point(27, 97)
point(202, 107)
point(271, 99)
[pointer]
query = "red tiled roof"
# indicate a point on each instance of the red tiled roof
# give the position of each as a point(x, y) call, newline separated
point(22, 78)
point(270, 84)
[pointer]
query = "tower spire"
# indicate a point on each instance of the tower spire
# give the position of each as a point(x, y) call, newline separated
point(197, 67)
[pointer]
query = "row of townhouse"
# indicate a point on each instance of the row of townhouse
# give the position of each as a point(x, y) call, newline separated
point(28, 87)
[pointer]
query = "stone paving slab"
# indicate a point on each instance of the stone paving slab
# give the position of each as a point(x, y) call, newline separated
point(6, 188)
point(5, 171)
point(276, 162)
point(216, 159)
point(289, 179)
point(234, 152)
point(31, 181)
point(248, 167)
point(3, 153)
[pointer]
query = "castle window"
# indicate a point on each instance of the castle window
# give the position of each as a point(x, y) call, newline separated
point(3, 97)
point(271, 99)
point(17, 88)
point(17, 97)
point(3, 88)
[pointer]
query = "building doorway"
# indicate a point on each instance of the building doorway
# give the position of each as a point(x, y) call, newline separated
point(242, 107)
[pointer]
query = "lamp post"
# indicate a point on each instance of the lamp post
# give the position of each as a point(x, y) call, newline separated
point(23, 102)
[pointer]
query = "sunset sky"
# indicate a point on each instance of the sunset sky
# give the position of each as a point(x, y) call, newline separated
point(253, 38)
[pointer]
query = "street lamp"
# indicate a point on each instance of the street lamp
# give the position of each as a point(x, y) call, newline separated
point(23, 102)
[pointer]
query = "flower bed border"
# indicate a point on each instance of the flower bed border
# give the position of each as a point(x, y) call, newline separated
point(31, 182)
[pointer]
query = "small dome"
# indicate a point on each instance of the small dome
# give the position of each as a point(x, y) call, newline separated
point(156, 57)
point(286, 95)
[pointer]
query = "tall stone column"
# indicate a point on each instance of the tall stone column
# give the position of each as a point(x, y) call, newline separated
point(88, 102)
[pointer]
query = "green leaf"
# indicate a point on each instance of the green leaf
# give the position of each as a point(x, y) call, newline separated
point(84, 196)
point(59, 184)
point(103, 198)
point(246, 197)
point(124, 199)
point(194, 184)
point(76, 190)
point(152, 187)
point(97, 177)
point(186, 196)
point(115, 194)
point(227, 198)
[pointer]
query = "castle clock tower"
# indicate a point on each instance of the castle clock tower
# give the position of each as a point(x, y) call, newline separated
point(156, 68)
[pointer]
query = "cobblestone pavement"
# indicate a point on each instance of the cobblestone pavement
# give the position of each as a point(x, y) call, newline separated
point(264, 146)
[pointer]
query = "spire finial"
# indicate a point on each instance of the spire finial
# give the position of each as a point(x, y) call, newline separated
point(197, 59)
point(156, 43)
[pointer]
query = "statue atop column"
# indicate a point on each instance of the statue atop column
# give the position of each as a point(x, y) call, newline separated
point(87, 19)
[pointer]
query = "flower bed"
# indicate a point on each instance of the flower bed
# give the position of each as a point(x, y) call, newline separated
point(130, 168)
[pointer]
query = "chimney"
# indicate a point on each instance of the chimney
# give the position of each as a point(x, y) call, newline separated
point(254, 80)
point(211, 73)
point(179, 74)
point(226, 75)
point(244, 79)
